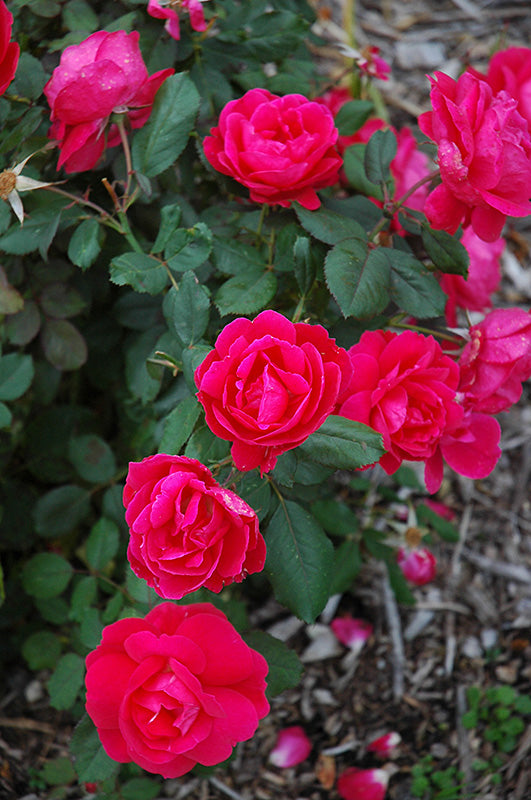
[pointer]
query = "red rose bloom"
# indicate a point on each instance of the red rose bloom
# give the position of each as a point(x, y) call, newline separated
point(404, 387)
point(269, 384)
point(175, 689)
point(496, 360)
point(186, 530)
point(281, 148)
point(105, 74)
point(484, 154)
point(510, 71)
point(9, 51)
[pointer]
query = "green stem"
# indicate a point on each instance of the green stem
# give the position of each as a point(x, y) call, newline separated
point(300, 308)
point(263, 215)
point(128, 233)
point(81, 201)
point(349, 15)
point(128, 163)
point(392, 208)
point(419, 329)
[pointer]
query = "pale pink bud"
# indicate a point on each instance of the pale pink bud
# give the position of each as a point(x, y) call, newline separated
point(384, 745)
point(352, 632)
point(418, 566)
point(292, 747)
point(362, 784)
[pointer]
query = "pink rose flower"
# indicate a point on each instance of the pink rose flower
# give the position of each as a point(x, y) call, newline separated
point(186, 531)
point(352, 632)
point(418, 565)
point(362, 784)
point(281, 148)
point(268, 384)
point(175, 689)
point(292, 747)
point(9, 51)
point(484, 154)
point(510, 71)
point(484, 275)
point(168, 10)
point(404, 387)
point(496, 360)
point(103, 75)
point(384, 745)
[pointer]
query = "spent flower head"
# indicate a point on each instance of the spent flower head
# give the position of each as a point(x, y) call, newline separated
point(12, 182)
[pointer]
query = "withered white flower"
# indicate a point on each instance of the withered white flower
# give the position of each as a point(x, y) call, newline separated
point(12, 182)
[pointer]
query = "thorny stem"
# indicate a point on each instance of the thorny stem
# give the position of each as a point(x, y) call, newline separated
point(106, 218)
point(172, 279)
point(128, 163)
point(438, 334)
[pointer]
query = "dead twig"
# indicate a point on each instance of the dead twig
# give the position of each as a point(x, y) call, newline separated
point(395, 629)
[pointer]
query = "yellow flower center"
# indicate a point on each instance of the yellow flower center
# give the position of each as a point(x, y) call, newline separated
point(8, 182)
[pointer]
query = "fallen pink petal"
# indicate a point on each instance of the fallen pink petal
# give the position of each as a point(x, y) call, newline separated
point(292, 747)
point(351, 631)
point(384, 745)
point(362, 784)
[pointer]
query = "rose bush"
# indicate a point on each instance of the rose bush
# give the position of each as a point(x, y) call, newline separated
point(404, 387)
point(281, 148)
point(165, 9)
point(268, 384)
point(9, 51)
point(175, 689)
point(187, 531)
point(484, 155)
point(103, 75)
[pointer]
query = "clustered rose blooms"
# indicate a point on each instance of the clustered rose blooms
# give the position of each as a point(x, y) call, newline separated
point(268, 384)
point(168, 10)
point(9, 51)
point(186, 531)
point(103, 75)
point(281, 148)
point(418, 564)
point(175, 689)
point(475, 292)
point(484, 155)
point(496, 360)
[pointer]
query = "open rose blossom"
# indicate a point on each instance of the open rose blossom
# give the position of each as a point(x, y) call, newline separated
point(418, 565)
point(281, 148)
point(268, 384)
point(510, 71)
point(103, 75)
point(362, 784)
point(9, 51)
point(292, 747)
point(496, 360)
point(404, 387)
point(484, 275)
point(484, 155)
point(168, 10)
point(186, 531)
point(175, 689)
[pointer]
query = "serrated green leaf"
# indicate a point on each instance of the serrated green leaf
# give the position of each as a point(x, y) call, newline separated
point(233, 257)
point(187, 309)
point(11, 301)
point(179, 424)
point(30, 77)
point(354, 166)
point(304, 263)
point(413, 288)
point(60, 301)
point(299, 560)
point(64, 346)
point(36, 234)
point(144, 273)
point(335, 517)
point(46, 575)
point(21, 328)
point(85, 243)
point(41, 650)
point(247, 292)
point(60, 510)
point(380, 151)
point(102, 543)
point(91, 761)
point(66, 681)
point(161, 141)
point(16, 375)
point(358, 279)
point(343, 444)
point(92, 457)
point(188, 248)
point(285, 668)
point(352, 116)
point(347, 565)
point(329, 226)
point(256, 491)
point(140, 789)
point(79, 16)
point(446, 251)
point(170, 217)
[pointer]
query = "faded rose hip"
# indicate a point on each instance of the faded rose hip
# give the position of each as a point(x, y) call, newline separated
point(281, 148)
point(268, 384)
point(175, 689)
point(186, 531)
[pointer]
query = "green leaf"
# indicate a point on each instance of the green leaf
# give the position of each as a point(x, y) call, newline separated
point(92, 457)
point(343, 444)
point(522, 704)
point(91, 761)
point(413, 288)
point(58, 772)
point(445, 529)
point(90, 628)
point(11, 301)
point(188, 248)
point(41, 650)
point(179, 424)
point(206, 447)
point(140, 789)
point(246, 293)
point(37, 234)
point(141, 383)
point(66, 681)
point(358, 279)
point(60, 510)
point(46, 575)
point(233, 257)
point(347, 564)
point(79, 16)
point(58, 300)
point(469, 720)
point(30, 77)
point(285, 669)
point(16, 375)
point(335, 517)
point(187, 309)
point(256, 491)
point(83, 596)
point(305, 263)
point(21, 328)
point(170, 217)
point(102, 544)
point(161, 141)
point(329, 226)
point(446, 251)
point(144, 273)
point(6, 417)
point(63, 345)
point(354, 166)
point(299, 560)
point(399, 584)
point(380, 151)
point(85, 243)
point(352, 116)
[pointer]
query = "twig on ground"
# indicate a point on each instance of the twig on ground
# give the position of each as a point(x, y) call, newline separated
point(225, 789)
point(465, 755)
point(513, 572)
point(395, 630)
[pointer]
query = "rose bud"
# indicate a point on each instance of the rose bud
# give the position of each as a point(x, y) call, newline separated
point(418, 566)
